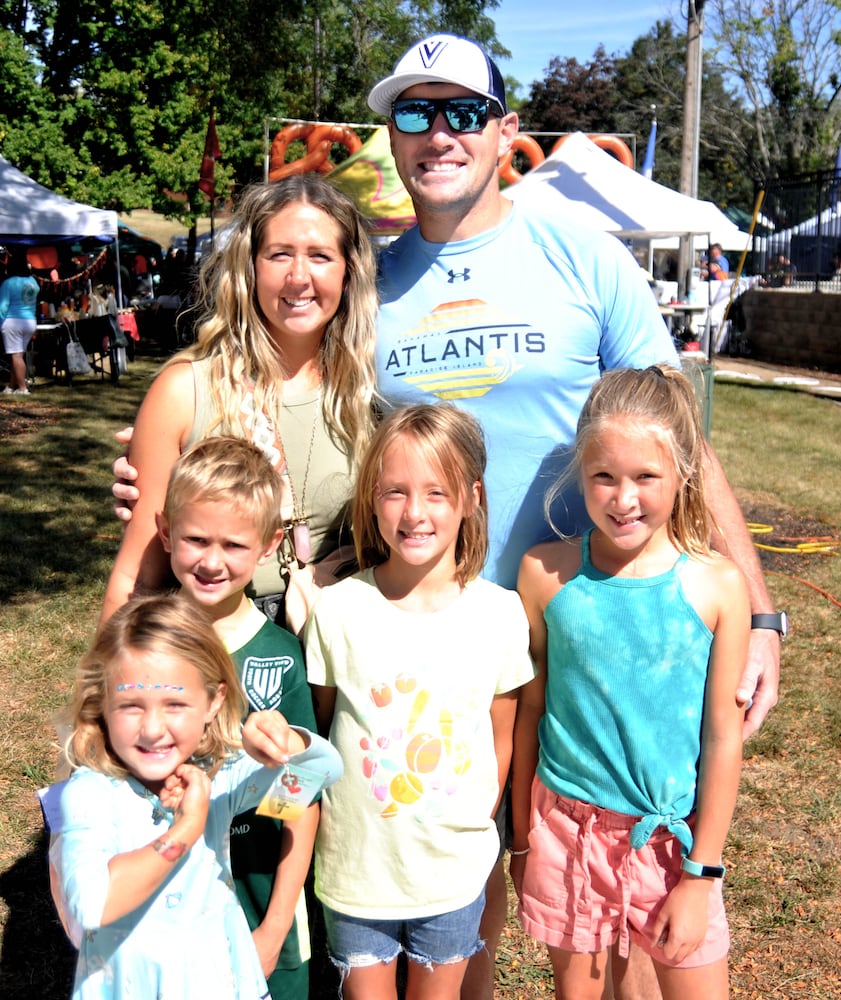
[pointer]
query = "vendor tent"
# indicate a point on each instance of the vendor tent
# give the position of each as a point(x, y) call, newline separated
point(31, 213)
point(133, 242)
point(591, 188)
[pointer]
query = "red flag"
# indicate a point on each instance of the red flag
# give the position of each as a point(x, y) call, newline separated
point(212, 153)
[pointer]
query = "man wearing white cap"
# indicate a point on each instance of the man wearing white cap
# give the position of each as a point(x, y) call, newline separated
point(513, 317)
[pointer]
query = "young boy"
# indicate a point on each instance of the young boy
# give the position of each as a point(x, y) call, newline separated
point(221, 519)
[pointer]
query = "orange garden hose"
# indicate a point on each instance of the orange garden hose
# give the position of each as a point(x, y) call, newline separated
point(817, 544)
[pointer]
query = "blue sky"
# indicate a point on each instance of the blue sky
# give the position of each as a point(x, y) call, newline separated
point(537, 30)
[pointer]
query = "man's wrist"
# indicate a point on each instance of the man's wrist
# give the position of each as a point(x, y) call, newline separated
point(776, 622)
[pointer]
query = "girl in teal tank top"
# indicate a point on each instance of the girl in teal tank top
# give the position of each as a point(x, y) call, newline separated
point(628, 743)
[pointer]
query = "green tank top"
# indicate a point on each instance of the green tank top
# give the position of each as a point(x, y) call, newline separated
point(322, 476)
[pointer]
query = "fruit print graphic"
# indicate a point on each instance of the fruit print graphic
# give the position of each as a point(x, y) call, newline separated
point(415, 760)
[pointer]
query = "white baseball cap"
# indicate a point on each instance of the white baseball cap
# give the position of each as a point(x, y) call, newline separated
point(441, 59)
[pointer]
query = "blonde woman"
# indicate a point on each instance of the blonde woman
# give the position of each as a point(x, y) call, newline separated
point(284, 358)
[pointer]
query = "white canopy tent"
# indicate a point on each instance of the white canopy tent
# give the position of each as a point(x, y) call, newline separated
point(589, 187)
point(31, 213)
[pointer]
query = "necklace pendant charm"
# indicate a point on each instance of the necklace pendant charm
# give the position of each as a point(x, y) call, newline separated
point(301, 541)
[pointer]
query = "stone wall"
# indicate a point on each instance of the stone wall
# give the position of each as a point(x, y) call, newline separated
point(788, 326)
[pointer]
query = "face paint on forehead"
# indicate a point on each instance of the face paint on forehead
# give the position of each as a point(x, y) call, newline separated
point(150, 687)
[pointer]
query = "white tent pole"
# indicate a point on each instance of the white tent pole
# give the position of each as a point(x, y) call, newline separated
point(119, 276)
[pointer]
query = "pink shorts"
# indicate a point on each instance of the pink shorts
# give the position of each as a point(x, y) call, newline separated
point(585, 887)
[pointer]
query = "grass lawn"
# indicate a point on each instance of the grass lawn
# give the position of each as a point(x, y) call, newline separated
point(157, 227)
point(782, 452)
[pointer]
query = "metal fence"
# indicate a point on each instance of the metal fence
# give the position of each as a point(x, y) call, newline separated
point(797, 240)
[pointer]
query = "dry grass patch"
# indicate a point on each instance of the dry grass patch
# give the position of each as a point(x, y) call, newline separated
point(782, 452)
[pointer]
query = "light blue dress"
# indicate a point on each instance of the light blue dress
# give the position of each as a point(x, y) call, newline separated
point(190, 939)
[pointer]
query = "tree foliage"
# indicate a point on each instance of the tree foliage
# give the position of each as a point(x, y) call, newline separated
point(621, 94)
point(107, 101)
point(654, 73)
point(770, 94)
point(785, 56)
point(573, 96)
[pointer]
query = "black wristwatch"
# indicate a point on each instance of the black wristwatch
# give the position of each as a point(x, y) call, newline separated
point(777, 622)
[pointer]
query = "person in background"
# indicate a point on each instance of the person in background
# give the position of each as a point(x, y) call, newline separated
point(716, 267)
point(628, 743)
point(18, 320)
point(782, 272)
point(220, 520)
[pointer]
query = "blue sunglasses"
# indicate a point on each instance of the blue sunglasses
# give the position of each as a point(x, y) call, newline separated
point(414, 115)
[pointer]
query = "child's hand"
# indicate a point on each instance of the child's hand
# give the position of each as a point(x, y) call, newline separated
point(517, 868)
point(268, 947)
point(187, 793)
point(681, 924)
point(266, 737)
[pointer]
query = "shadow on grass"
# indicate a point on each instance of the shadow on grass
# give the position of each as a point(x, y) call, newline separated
point(33, 929)
point(58, 531)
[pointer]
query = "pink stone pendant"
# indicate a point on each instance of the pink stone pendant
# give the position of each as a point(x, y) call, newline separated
point(301, 541)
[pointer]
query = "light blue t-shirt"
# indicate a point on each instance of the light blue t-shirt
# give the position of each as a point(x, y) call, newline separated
point(515, 325)
point(18, 297)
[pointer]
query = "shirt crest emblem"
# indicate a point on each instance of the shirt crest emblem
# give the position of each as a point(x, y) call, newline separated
point(262, 679)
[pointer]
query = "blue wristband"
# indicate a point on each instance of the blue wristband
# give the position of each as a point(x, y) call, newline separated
point(702, 871)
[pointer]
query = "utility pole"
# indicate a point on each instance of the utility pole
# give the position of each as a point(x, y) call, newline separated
point(316, 66)
point(691, 129)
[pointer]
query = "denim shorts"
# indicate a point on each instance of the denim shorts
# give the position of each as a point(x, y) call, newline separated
point(444, 939)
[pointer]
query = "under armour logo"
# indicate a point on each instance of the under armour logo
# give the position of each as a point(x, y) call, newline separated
point(464, 275)
point(430, 51)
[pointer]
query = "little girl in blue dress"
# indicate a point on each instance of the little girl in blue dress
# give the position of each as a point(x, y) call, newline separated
point(144, 881)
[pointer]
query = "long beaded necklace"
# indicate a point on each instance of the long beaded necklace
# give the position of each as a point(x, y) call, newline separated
point(265, 433)
point(299, 521)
